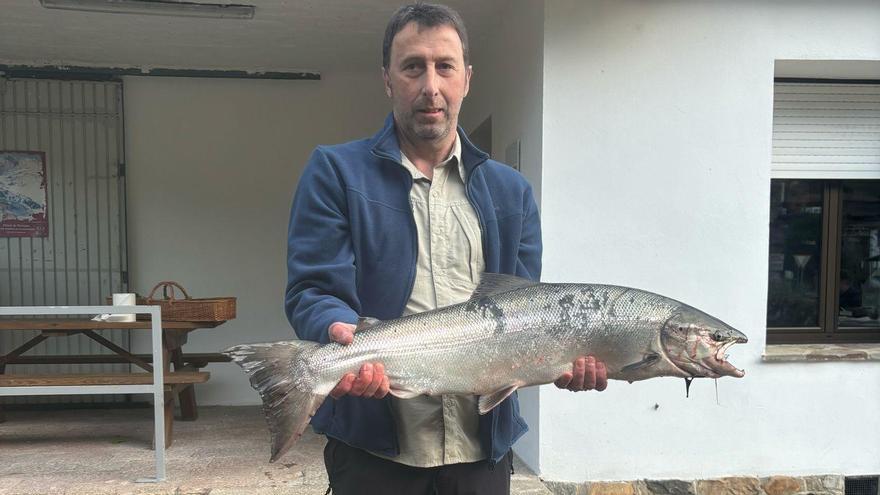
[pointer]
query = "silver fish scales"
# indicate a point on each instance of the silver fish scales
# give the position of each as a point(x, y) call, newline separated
point(512, 333)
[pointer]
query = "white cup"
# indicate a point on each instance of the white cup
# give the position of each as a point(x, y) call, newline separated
point(124, 299)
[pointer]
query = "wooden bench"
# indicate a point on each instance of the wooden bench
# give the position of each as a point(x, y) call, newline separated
point(174, 383)
point(194, 360)
point(187, 362)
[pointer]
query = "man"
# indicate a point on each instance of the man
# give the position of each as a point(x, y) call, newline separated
point(401, 223)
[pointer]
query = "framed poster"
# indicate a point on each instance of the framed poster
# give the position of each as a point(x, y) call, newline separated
point(23, 197)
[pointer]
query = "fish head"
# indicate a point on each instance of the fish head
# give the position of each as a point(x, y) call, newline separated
point(697, 344)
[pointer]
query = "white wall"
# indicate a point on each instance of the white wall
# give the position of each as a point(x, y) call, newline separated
point(212, 166)
point(506, 85)
point(656, 153)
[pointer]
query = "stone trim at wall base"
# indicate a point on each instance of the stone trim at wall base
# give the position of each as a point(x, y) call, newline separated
point(831, 484)
point(782, 353)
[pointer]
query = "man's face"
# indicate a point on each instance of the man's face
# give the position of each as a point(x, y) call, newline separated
point(426, 80)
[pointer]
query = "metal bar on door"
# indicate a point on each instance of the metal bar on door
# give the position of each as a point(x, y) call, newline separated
point(41, 143)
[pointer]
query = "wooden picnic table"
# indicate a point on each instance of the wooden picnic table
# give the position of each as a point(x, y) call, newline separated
point(179, 382)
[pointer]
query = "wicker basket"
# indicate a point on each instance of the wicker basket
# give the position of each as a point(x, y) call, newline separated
point(188, 308)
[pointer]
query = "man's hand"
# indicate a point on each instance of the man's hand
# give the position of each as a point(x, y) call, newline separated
point(342, 332)
point(586, 374)
point(370, 382)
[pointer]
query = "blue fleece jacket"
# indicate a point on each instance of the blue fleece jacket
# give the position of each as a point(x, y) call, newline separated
point(352, 251)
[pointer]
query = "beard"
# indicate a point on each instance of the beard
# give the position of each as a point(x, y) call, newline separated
point(430, 131)
point(420, 127)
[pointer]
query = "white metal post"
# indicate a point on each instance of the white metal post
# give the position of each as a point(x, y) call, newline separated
point(158, 392)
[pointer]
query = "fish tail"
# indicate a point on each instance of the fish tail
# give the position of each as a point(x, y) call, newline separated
point(288, 385)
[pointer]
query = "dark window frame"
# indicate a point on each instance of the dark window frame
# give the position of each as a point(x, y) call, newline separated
point(829, 330)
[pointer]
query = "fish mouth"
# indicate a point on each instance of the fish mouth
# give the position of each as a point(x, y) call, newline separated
point(719, 364)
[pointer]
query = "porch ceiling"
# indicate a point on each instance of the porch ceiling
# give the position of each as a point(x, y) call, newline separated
point(285, 35)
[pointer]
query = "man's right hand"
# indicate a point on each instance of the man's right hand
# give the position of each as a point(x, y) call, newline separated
point(370, 381)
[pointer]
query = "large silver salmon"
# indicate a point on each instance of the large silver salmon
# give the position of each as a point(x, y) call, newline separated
point(512, 333)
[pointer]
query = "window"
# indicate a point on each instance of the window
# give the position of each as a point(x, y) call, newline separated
point(824, 266)
point(824, 259)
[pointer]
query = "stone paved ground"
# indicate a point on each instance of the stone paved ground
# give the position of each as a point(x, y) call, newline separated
point(225, 452)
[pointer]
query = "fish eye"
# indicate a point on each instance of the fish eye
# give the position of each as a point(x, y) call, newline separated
point(717, 336)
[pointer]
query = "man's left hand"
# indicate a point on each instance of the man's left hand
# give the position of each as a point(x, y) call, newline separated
point(587, 374)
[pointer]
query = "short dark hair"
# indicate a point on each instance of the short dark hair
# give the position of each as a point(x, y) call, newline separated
point(425, 15)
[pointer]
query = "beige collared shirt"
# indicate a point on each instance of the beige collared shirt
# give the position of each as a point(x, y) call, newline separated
point(441, 430)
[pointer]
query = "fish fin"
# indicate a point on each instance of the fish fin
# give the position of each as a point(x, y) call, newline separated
point(647, 361)
point(496, 283)
point(401, 393)
point(365, 323)
point(488, 402)
point(280, 372)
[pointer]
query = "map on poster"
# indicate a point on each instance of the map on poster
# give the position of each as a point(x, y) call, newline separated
point(23, 196)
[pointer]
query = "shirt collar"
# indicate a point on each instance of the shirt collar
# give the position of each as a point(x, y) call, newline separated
point(455, 154)
point(384, 145)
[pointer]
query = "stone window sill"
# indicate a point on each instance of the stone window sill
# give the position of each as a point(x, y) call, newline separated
point(779, 353)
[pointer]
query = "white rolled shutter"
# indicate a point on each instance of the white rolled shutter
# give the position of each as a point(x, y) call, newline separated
point(826, 131)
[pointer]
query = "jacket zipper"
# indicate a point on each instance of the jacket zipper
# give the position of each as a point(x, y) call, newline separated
point(413, 230)
point(467, 189)
point(412, 274)
point(414, 233)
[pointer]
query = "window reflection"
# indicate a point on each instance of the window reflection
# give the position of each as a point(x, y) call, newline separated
point(860, 255)
point(795, 248)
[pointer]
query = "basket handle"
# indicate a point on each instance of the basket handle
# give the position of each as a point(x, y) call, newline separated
point(165, 285)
